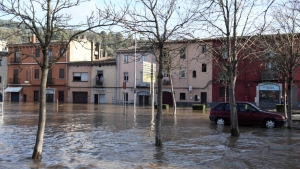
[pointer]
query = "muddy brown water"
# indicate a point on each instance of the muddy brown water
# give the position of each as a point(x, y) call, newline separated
point(104, 136)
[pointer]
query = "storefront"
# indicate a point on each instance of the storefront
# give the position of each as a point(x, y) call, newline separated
point(268, 94)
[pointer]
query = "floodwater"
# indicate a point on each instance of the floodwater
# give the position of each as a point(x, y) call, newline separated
point(104, 136)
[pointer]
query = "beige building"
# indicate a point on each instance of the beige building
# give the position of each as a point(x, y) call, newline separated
point(189, 67)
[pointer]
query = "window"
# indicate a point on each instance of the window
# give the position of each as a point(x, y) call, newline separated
point(270, 65)
point(80, 77)
point(61, 73)
point(50, 54)
point(224, 55)
point(125, 59)
point(222, 92)
point(182, 96)
point(125, 76)
point(182, 53)
point(143, 59)
point(166, 73)
point(204, 48)
point(62, 50)
point(37, 53)
point(16, 54)
point(36, 73)
point(182, 73)
point(196, 98)
point(203, 67)
point(194, 74)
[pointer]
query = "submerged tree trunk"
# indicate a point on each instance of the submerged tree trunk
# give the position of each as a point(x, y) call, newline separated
point(233, 112)
point(158, 138)
point(289, 111)
point(37, 152)
point(173, 94)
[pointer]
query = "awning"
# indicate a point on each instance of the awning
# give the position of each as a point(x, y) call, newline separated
point(13, 89)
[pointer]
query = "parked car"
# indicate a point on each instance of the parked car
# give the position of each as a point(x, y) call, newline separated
point(248, 114)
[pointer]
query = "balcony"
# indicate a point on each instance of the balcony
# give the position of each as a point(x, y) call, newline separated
point(97, 83)
point(141, 84)
point(15, 60)
point(166, 82)
point(14, 81)
point(269, 74)
point(50, 81)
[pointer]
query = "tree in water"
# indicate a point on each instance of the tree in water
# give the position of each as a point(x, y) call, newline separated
point(51, 20)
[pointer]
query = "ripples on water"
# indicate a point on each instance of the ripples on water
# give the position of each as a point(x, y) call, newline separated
point(103, 136)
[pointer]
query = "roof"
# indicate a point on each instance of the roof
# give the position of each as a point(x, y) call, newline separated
point(111, 61)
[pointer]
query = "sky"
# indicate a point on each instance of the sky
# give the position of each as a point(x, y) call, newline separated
point(79, 13)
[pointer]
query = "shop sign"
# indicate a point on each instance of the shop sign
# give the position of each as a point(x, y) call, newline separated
point(269, 87)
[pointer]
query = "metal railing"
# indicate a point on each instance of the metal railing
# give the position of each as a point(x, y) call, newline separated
point(14, 81)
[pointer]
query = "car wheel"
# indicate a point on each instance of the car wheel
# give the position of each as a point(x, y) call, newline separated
point(220, 121)
point(270, 123)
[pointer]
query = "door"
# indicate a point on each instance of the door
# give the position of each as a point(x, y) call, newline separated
point(15, 96)
point(96, 98)
point(36, 96)
point(102, 98)
point(24, 97)
point(203, 97)
point(80, 97)
point(167, 98)
point(49, 98)
point(61, 96)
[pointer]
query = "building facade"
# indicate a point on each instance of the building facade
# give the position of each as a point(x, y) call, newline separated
point(24, 73)
point(190, 70)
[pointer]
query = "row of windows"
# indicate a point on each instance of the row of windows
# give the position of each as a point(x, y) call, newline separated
point(61, 73)
point(38, 52)
point(182, 54)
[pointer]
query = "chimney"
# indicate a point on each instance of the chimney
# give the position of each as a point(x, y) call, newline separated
point(32, 39)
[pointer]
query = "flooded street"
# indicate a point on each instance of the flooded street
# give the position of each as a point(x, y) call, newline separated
point(103, 136)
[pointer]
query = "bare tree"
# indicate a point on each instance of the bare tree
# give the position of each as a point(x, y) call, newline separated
point(52, 19)
point(284, 45)
point(159, 21)
point(232, 24)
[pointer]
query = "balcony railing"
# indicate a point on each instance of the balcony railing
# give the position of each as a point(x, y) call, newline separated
point(50, 81)
point(15, 60)
point(14, 81)
point(270, 74)
point(166, 82)
point(99, 83)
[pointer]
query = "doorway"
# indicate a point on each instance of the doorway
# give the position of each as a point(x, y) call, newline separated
point(96, 98)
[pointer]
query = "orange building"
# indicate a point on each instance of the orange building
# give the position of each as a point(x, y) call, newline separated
point(24, 73)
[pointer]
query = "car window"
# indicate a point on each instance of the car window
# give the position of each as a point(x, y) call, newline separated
point(226, 107)
point(244, 107)
point(220, 107)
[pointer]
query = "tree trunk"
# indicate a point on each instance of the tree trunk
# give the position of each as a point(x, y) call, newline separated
point(158, 139)
point(233, 112)
point(289, 111)
point(37, 152)
point(173, 94)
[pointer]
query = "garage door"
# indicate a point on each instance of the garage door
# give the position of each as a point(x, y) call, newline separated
point(80, 97)
point(14, 96)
